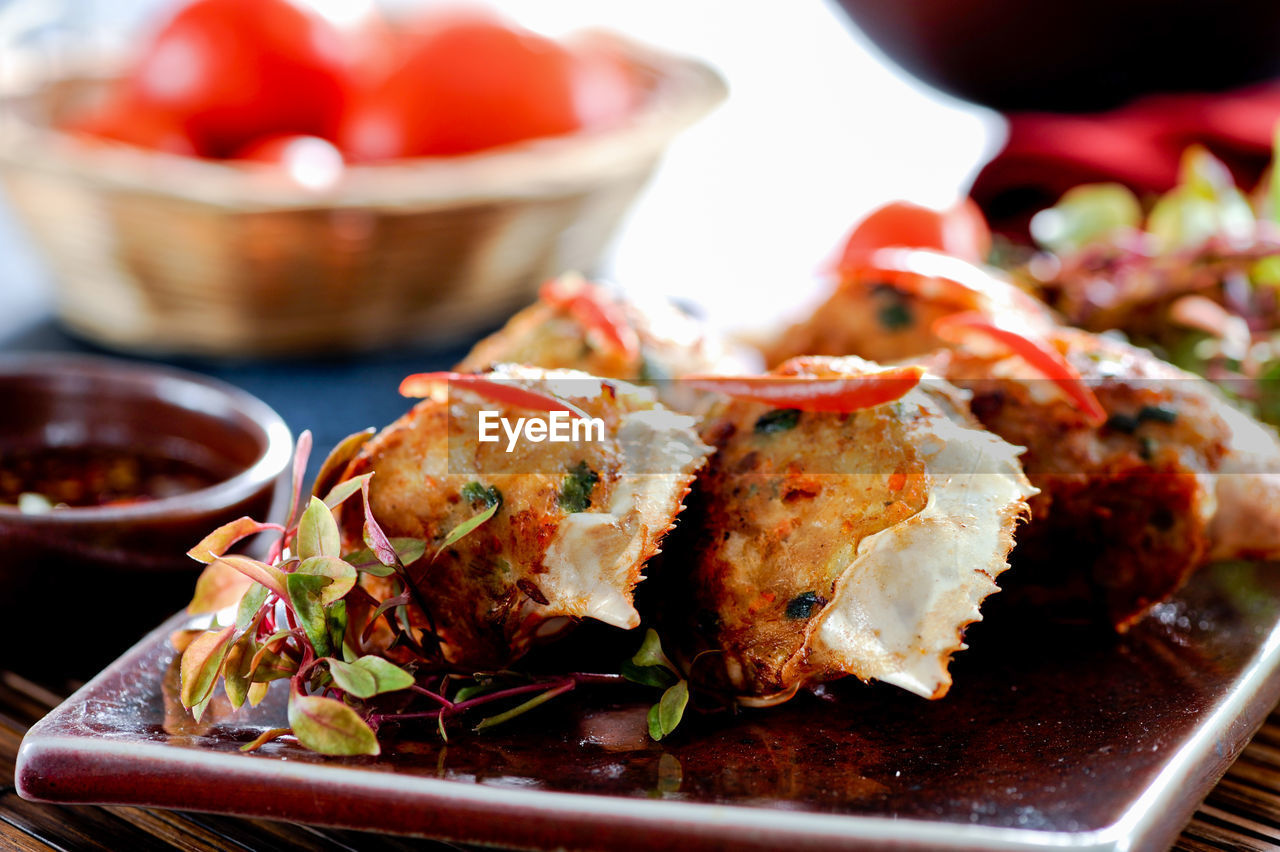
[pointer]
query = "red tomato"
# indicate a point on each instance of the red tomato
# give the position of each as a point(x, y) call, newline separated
point(371, 45)
point(961, 231)
point(308, 160)
point(284, 147)
point(469, 81)
point(122, 121)
point(235, 70)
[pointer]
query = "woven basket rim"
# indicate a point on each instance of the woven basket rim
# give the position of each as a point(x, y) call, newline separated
point(685, 90)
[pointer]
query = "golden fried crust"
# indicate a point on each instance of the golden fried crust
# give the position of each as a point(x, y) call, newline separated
point(496, 589)
point(672, 344)
point(1128, 499)
point(478, 601)
point(549, 337)
point(782, 515)
point(878, 322)
point(800, 530)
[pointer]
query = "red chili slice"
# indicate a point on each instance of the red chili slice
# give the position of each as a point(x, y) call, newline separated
point(940, 277)
point(422, 385)
point(815, 393)
point(1037, 352)
point(594, 310)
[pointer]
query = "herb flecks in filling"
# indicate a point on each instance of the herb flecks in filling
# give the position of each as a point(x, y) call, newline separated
point(804, 605)
point(1129, 423)
point(894, 313)
point(476, 492)
point(778, 420)
point(575, 494)
point(473, 492)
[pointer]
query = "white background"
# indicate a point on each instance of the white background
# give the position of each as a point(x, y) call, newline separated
point(818, 129)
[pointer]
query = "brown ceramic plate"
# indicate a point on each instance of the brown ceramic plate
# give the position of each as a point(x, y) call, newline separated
point(1052, 737)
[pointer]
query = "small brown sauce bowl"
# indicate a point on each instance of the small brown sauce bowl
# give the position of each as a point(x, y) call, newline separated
point(84, 581)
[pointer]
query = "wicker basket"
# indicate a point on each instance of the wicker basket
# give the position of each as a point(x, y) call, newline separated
point(158, 253)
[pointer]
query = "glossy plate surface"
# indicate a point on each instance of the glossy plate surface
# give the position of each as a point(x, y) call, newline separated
point(1052, 737)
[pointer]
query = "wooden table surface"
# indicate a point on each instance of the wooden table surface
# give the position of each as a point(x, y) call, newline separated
point(1242, 812)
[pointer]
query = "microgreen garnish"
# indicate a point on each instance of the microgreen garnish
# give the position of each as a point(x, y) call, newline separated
point(368, 676)
point(473, 492)
point(269, 735)
point(328, 726)
point(651, 667)
point(221, 540)
point(305, 581)
point(302, 615)
point(667, 713)
point(336, 463)
point(519, 709)
point(575, 495)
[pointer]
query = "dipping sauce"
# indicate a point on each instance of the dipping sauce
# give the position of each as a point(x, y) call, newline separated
point(95, 476)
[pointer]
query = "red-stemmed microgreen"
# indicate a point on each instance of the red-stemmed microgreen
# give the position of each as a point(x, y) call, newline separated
point(406, 590)
point(473, 492)
point(651, 667)
point(303, 615)
point(484, 689)
point(333, 469)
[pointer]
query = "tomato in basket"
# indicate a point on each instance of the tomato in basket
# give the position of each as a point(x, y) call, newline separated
point(223, 76)
point(231, 71)
point(123, 120)
point(470, 81)
point(308, 161)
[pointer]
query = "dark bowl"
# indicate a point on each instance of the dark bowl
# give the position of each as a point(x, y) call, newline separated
point(94, 578)
point(1074, 55)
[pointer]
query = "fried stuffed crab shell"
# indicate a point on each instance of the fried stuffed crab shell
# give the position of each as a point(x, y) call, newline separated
point(1246, 524)
point(833, 543)
point(1126, 497)
point(574, 522)
point(885, 308)
point(580, 325)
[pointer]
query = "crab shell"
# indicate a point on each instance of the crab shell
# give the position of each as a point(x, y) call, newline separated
point(534, 567)
point(1125, 512)
point(902, 569)
point(900, 609)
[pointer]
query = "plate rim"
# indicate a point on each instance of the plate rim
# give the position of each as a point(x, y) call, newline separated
point(1204, 755)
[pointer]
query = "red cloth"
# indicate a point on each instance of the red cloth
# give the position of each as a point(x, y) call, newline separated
point(1138, 144)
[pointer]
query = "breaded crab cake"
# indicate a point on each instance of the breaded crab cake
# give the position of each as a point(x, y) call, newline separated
point(1127, 493)
point(581, 325)
point(572, 523)
point(840, 531)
